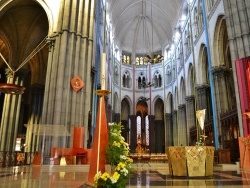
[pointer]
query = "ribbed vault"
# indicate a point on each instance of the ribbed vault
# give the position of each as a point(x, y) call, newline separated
point(134, 21)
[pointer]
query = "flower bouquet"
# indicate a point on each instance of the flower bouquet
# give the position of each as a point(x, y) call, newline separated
point(117, 155)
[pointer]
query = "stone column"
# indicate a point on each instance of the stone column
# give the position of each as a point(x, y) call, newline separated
point(221, 93)
point(36, 102)
point(182, 125)
point(152, 143)
point(204, 102)
point(133, 133)
point(71, 55)
point(190, 113)
point(220, 89)
point(238, 26)
point(169, 130)
point(203, 98)
point(175, 128)
point(10, 115)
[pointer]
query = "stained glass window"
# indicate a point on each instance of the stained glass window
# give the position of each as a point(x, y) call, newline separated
point(138, 122)
point(147, 130)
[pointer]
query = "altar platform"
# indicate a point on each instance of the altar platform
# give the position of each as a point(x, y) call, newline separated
point(191, 161)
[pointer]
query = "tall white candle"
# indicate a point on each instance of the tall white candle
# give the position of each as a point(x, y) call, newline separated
point(103, 71)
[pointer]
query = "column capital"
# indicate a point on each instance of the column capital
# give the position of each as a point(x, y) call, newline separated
point(51, 42)
point(202, 86)
point(189, 98)
point(168, 115)
point(182, 106)
point(220, 70)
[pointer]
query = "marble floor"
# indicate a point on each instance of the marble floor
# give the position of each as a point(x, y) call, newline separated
point(153, 175)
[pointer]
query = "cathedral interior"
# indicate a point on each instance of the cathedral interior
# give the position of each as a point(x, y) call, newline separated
point(161, 63)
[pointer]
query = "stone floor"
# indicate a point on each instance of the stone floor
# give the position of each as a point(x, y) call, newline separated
point(146, 175)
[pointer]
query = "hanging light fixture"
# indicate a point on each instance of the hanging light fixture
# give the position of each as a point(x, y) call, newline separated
point(147, 59)
point(12, 88)
point(9, 88)
point(151, 58)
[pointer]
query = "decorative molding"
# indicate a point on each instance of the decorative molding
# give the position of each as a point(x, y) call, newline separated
point(190, 98)
point(220, 68)
point(182, 106)
point(202, 86)
point(212, 11)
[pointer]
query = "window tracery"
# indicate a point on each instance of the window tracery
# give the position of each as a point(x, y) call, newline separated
point(141, 80)
point(157, 79)
point(126, 79)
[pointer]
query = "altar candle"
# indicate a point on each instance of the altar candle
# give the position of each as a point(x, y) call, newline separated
point(103, 71)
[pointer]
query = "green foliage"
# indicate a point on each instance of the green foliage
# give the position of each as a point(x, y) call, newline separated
point(117, 149)
point(200, 142)
point(117, 155)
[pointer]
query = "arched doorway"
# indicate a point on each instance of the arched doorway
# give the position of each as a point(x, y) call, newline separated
point(18, 40)
point(142, 125)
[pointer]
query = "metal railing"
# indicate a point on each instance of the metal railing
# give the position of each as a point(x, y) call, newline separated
point(8, 158)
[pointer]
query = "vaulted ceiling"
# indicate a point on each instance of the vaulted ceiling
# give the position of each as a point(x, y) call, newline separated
point(134, 21)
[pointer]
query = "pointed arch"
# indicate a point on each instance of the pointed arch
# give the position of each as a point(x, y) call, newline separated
point(176, 99)
point(116, 105)
point(220, 42)
point(182, 91)
point(202, 72)
point(169, 103)
point(159, 109)
point(190, 80)
point(125, 110)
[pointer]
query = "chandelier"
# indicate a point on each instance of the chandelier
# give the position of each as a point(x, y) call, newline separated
point(12, 88)
point(147, 58)
point(153, 58)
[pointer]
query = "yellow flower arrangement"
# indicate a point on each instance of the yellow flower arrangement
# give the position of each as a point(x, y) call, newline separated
point(117, 155)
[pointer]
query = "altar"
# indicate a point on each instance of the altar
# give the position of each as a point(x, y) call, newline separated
point(244, 145)
point(191, 161)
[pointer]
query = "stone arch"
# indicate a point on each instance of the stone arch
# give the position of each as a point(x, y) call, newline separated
point(116, 103)
point(21, 38)
point(203, 68)
point(169, 103)
point(31, 30)
point(159, 109)
point(50, 15)
point(125, 110)
point(176, 99)
point(169, 120)
point(190, 80)
point(220, 42)
point(182, 91)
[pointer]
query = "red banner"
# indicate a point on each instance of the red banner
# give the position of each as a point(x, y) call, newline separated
point(243, 77)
